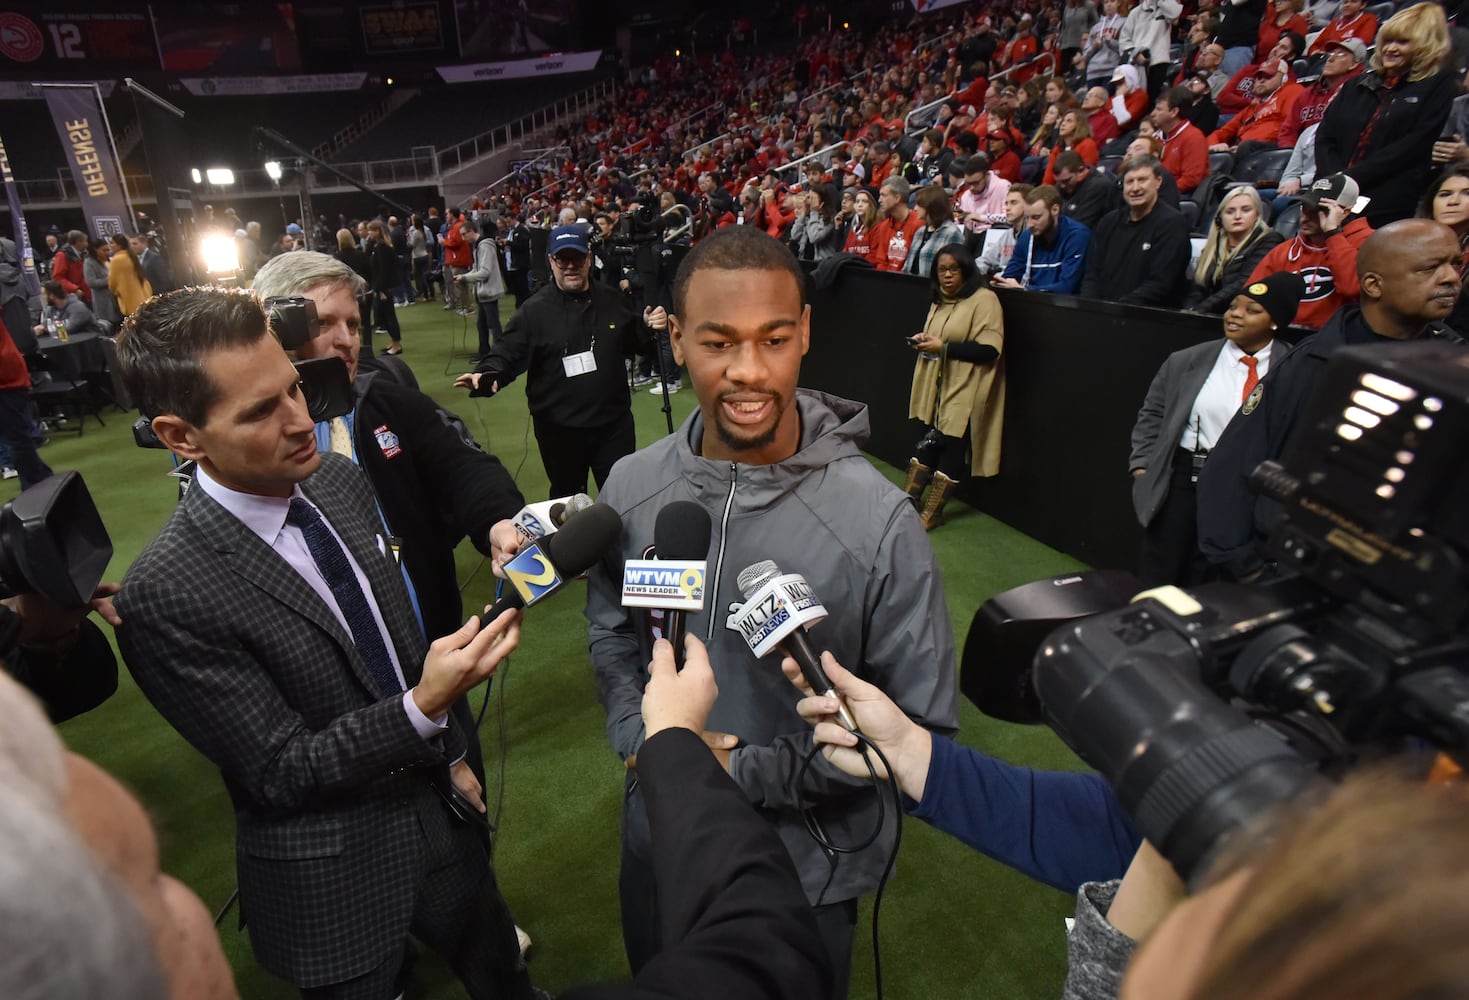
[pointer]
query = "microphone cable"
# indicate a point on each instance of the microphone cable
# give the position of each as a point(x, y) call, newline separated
point(834, 851)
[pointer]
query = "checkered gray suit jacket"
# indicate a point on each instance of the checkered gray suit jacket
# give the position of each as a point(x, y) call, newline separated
point(239, 654)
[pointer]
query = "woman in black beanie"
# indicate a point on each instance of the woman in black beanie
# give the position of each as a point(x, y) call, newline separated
point(1193, 397)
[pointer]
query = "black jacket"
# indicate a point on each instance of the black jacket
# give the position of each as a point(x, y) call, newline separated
point(434, 486)
point(553, 325)
point(382, 267)
point(1395, 167)
point(1138, 263)
point(1204, 114)
point(1216, 297)
point(519, 240)
point(357, 260)
point(1093, 199)
point(1233, 521)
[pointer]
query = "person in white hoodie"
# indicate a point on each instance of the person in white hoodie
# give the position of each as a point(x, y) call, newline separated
point(488, 284)
point(1149, 29)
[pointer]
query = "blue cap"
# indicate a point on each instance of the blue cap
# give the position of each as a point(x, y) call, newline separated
point(293, 230)
point(569, 237)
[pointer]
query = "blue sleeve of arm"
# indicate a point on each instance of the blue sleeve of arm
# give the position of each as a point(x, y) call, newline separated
point(1073, 261)
point(1057, 827)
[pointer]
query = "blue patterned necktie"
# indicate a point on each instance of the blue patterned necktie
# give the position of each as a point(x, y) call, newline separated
point(331, 560)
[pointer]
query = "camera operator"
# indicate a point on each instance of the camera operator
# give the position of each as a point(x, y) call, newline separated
point(59, 653)
point(571, 340)
point(1409, 285)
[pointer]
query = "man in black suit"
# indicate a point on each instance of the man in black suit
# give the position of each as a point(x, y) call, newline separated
point(516, 246)
point(269, 624)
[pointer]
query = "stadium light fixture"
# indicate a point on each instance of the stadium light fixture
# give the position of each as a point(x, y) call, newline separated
point(197, 176)
point(273, 170)
point(220, 176)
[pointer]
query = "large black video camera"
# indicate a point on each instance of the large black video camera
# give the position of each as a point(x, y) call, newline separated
point(1206, 708)
point(637, 227)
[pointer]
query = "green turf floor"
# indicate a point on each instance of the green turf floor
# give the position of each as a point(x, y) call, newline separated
point(954, 924)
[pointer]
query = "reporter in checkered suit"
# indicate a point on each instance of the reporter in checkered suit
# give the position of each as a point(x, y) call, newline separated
point(325, 714)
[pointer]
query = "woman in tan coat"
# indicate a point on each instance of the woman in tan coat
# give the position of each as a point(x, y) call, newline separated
point(958, 384)
point(125, 277)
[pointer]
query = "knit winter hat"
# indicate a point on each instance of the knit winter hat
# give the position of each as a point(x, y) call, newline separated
point(1280, 293)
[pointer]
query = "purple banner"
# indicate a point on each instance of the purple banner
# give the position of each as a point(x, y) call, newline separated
point(77, 114)
point(18, 224)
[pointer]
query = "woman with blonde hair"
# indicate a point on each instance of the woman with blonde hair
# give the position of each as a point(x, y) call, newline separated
point(1238, 240)
point(1380, 128)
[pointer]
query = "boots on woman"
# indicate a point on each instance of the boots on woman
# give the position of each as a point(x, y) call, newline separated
point(932, 512)
point(918, 479)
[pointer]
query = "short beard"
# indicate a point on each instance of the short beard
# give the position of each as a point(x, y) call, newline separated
point(765, 438)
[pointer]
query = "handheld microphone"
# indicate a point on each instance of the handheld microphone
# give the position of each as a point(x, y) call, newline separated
point(546, 517)
point(674, 581)
point(543, 565)
point(777, 609)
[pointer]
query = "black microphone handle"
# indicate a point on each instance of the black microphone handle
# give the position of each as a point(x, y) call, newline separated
point(509, 602)
point(675, 623)
point(798, 647)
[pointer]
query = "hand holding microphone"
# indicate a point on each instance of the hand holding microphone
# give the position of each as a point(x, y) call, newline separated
point(542, 566)
point(907, 745)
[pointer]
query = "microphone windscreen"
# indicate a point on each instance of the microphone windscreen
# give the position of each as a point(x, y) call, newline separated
point(757, 575)
point(558, 514)
point(584, 540)
point(682, 531)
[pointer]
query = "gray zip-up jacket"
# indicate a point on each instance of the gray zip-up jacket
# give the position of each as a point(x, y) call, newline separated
point(828, 515)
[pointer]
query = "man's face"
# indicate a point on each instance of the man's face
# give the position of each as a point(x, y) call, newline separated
point(1196, 87)
point(1067, 180)
point(1210, 56)
point(742, 335)
point(1140, 189)
point(51, 243)
point(1095, 100)
point(56, 301)
point(1283, 49)
point(604, 226)
point(571, 270)
point(257, 437)
point(888, 201)
point(1419, 280)
point(977, 179)
point(340, 331)
point(1267, 83)
point(1164, 115)
point(1339, 62)
point(1040, 219)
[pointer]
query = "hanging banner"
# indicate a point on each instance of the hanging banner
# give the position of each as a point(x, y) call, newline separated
point(77, 115)
point(18, 225)
point(236, 86)
point(552, 65)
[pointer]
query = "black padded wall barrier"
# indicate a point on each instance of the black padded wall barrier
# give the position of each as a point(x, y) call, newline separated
point(1077, 373)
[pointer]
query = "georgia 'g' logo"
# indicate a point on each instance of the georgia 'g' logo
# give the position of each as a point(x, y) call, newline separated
point(1320, 284)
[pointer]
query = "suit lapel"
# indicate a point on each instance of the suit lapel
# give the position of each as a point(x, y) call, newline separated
point(261, 566)
point(1187, 389)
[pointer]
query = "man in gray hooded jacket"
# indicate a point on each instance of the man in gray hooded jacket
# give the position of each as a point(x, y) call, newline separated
point(782, 476)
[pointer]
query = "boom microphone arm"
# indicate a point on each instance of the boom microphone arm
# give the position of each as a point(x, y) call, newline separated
point(269, 134)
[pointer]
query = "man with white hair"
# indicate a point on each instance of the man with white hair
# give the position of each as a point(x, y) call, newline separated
point(84, 909)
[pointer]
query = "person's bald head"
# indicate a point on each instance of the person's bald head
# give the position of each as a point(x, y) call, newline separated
point(1409, 276)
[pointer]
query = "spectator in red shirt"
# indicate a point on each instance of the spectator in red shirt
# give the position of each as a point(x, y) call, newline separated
point(772, 215)
point(1344, 60)
point(1324, 252)
point(67, 267)
point(892, 237)
point(1240, 90)
point(1075, 135)
point(1185, 150)
point(1280, 16)
point(1099, 117)
point(1258, 127)
point(864, 221)
point(1129, 96)
point(1004, 161)
point(1352, 22)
